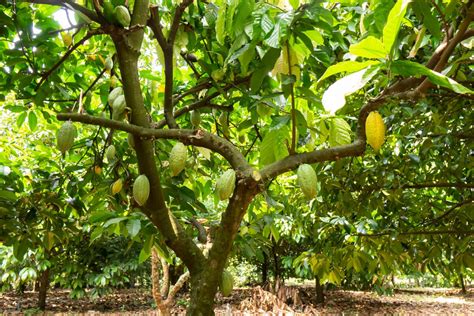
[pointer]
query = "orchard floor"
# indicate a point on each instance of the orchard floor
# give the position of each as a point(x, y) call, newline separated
point(255, 301)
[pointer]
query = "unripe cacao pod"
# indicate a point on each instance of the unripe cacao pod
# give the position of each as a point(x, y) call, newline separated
point(110, 153)
point(195, 118)
point(116, 186)
point(114, 94)
point(223, 119)
point(307, 180)
point(122, 15)
point(109, 64)
point(141, 189)
point(177, 158)
point(66, 134)
point(118, 107)
point(109, 12)
point(225, 184)
point(375, 130)
point(131, 141)
point(227, 283)
point(218, 74)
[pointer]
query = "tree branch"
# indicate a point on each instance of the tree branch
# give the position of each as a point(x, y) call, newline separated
point(69, 4)
point(357, 148)
point(176, 20)
point(424, 232)
point(187, 136)
point(45, 76)
point(448, 50)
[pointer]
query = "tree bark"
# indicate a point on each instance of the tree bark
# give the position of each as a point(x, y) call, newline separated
point(462, 284)
point(43, 289)
point(265, 269)
point(319, 291)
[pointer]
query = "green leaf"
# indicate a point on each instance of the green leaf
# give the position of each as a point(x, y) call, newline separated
point(32, 121)
point(339, 133)
point(408, 68)
point(133, 227)
point(347, 66)
point(334, 97)
point(390, 31)
point(146, 250)
point(369, 47)
point(7, 195)
point(220, 23)
point(21, 118)
point(273, 146)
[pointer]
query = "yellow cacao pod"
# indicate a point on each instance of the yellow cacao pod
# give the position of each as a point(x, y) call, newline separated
point(375, 130)
point(116, 186)
point(66, 134)
point(307, 180)
point(110, 153)
point(177, 158)
point(225, 184)
point(141, 189)
point(227, 283)
point(67, 38)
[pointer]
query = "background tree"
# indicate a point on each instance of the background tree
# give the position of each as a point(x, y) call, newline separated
point(217, 58)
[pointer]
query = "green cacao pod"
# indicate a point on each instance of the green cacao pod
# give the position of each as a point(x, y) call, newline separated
point(223, 119)
point(177, 158)
point(109, 64)
point(122, 15)
point(118, 107)
point(375, 130)
point(66, 134)
point(227, 283)
point(225, 184)
point(114, 94)
point(307, 180)
point(195, 118)
point(109, 12)
point(131, 141)
point(141, 189)
point(110, 153)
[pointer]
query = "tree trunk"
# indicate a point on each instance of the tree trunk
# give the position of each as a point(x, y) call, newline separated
point(319, 292)
point(462, 284)
point(203, 291)
point(265, 269)
point(43, 289)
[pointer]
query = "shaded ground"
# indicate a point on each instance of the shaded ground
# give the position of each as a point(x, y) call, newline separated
point(256, 301)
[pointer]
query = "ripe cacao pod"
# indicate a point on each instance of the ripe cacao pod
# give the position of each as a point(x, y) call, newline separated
point(141, 189)
point(109, 64)
point(66, 134)
point(67, 38)
point(225, 184)
point(227, 283)
point(177, 158)
point(116, 186)
point(195, 118)
point(114, 94)
point(375, 130)
point(97, 170)
point(110, 153)
point(307, 180)
point(122, 15)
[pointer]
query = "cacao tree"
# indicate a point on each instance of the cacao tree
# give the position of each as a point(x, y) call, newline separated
point(261, 76)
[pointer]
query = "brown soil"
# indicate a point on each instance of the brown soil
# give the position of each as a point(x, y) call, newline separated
point(253, 301)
